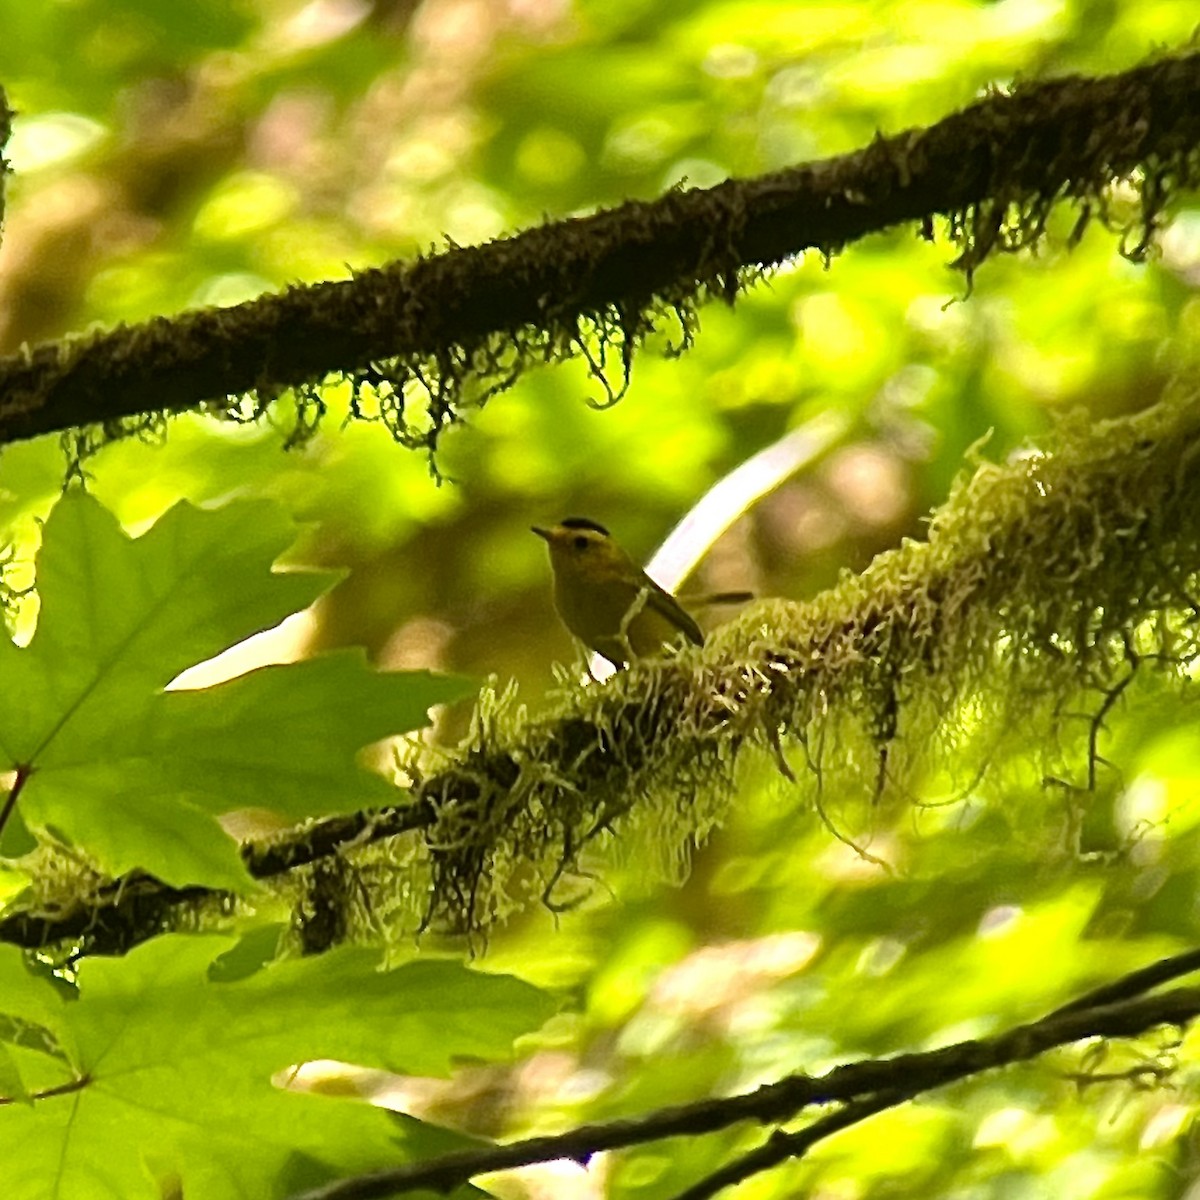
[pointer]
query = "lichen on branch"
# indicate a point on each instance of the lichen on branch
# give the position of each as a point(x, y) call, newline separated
point(997, 645)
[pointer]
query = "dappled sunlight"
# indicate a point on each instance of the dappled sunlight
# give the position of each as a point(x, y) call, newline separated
point(902, 812)
point(722, 975)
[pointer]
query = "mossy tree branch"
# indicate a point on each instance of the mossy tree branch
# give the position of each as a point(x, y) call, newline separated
point(456, 326)
point(1044, 587)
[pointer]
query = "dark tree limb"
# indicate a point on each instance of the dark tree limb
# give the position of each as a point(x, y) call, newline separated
point(781, 1146)
point(865, 1087)
point(1136, 983)
point(993, 169)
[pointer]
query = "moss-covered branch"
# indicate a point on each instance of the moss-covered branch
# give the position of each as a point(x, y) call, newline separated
point(1044, 587)
point(418, 340)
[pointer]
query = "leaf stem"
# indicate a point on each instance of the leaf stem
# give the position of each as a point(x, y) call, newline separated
point(62, 1089)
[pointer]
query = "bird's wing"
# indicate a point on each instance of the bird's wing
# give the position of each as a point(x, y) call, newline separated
point(663, 603)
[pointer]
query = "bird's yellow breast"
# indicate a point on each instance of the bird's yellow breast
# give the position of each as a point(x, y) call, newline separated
point(614, 618)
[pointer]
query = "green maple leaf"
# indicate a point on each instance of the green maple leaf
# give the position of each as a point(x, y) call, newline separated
point(165, 1074)
point(135, 775)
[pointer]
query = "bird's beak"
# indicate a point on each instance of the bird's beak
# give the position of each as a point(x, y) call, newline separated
point(542, 533)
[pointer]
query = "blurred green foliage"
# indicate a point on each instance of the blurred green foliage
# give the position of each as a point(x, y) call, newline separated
point(173, 155)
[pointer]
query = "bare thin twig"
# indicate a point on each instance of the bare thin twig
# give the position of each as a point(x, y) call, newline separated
point(867, 1086)
point(781, 1146)
point(1136, 983)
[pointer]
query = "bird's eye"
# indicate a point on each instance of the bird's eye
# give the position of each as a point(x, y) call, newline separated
point(581, 543)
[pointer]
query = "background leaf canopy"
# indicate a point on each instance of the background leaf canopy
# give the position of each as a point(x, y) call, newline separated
point(172, 156)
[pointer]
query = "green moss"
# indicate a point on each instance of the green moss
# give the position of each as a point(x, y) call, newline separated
point(996, 646)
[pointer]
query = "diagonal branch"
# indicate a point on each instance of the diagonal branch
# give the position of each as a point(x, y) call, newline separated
point(864, 1085)
point(484, 313)
point(1136, 983)
point(1038, 581)
point(781, 1146)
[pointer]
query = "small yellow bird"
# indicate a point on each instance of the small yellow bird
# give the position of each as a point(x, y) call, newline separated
point(606, 600)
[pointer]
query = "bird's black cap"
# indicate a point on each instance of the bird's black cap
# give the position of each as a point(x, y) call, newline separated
point(583, 523)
